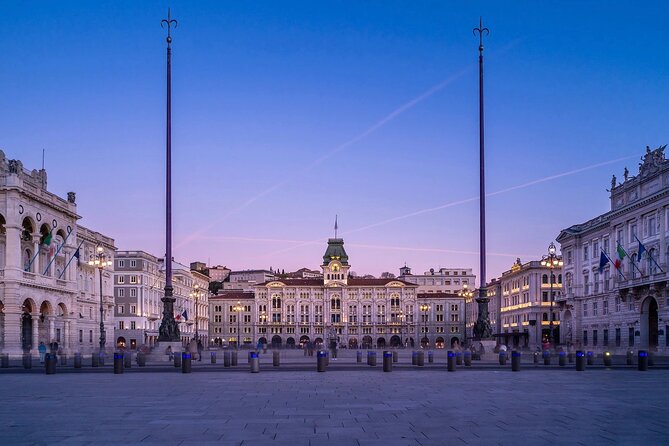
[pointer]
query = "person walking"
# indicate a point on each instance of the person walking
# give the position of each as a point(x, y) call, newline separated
point(42, 352)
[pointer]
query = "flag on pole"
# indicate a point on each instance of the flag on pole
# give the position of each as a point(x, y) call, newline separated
point(642, 249)
point(47, 239)
point(620, 251)
point(185, 315)
point(77, 254)
point(177, 317)
point(336, 226)
point(603, 260)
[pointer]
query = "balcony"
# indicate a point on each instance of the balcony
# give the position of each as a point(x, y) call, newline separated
point(641, 286)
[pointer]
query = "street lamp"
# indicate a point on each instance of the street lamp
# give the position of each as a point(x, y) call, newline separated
point(401, 316)
point(551, 261)
point(466, 295)
point(196, 294)
point(238, 308)
point(425, 308)
point(99, 260)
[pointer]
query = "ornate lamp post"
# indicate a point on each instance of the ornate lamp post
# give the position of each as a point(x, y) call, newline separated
point(238, 309)
point(425, 308)
point(196, 294)
point(99, 260)
point(401, 316)
point(466, 295)
point(551, 261)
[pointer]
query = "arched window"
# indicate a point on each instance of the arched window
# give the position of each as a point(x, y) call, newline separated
point(544, 317)
point(544, 278)
point(335, 303)
point(276, 302)
point(27, 256)
point(559, 279)
point(552, 278)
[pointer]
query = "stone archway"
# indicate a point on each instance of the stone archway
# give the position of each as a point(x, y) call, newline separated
point(649, 324)
point(395, 341)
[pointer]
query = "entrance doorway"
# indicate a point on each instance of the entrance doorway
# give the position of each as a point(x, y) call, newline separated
point(648, 321)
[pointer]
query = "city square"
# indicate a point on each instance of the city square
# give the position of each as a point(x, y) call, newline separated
point(349, 404)
point(320, 223)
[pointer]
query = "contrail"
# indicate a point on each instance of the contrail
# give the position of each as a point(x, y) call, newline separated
point(468, 200)
point(379, 124)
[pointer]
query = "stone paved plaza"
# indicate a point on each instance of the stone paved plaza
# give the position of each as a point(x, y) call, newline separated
point(343, 406)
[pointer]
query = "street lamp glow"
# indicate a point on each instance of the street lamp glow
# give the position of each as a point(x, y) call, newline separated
point(99, 261)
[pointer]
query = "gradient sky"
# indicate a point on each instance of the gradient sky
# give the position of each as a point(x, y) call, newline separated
point(287, 113)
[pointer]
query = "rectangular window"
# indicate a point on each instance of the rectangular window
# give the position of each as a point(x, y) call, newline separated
point(652, 227)
point(121, 292)
point(606, 337)
point(605, 308)
point(633, 233)
point(596, 280)
point(133, 292)
point(90, 335)
point(618, 337)
point(630, 337)
point(121, 279)
point(569, 258)
point(594, 308)
point(121, 309)
point(605, 245)
point(81, 336)
point(617, 305)
point(133, 279)
point(619, 236)
point(133, 263)
point(585, 337)
point(585, 309)
point(121, 263)
point(586, 284)
point(585, 253)
point(133, 325)
point(595, 250)
point(133, 309)
point(121, 325)
point(594, 337)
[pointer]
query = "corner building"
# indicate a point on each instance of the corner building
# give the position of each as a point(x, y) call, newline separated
point(625, 308)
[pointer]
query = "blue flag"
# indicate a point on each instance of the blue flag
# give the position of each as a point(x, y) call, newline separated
point(642, 249)
point(185, 315)
point(603, 260)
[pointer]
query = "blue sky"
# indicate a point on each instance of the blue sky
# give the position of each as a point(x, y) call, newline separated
point(287, 113)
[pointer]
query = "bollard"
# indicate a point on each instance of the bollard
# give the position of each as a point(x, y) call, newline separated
point(77, 360)
point(226, 359)
point(320, 361)
point(177, 359)
point(502, 357)
point(141, 359)
point(63, 359)
point(4, 361)
point(562, 359)
point(395, 356)
point(607, 359)
point(468, 358)
point(420, 359)
point(101, 358)
point(515, 361)
point(358, 357)
point(118, 363)
point(570, 358)
point(430, 357)
point(458, 358)
point(630, 358)
point(233, 358)
point(580, 361)
point(327, 358)
point(50, 363)
point(127, 360)
point(371, 358)
point(547, 357)
point(28, 361)
point(276, 360)
point(642, 365)
point(186, 363)
point(590, 356)
point(414, 357)
point(387, 361)
point(213, 357)
point(451, 361)
point(254, 362)
point(535, 357)
point(95, 360)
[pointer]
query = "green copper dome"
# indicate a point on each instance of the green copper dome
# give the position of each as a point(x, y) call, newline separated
point(335, 251)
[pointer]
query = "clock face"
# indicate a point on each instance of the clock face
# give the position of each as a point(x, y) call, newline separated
point(335, 267)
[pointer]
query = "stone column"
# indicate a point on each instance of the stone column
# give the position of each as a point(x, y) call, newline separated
point(35, 267)
point(66, 335)
point(52, 328)
point(13, 247)
point(35, 332)
point(13, 328)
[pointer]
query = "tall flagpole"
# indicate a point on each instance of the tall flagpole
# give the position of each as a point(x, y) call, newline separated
point(169, 330)
point(482, 329)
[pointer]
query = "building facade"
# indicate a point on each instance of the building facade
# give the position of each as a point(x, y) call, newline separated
point(48, 292)
point(529, 292)
point(354, 312)
point(246, 280)
point(626, 307)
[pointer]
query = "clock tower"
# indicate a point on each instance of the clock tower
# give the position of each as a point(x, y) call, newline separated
point(335, 263)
